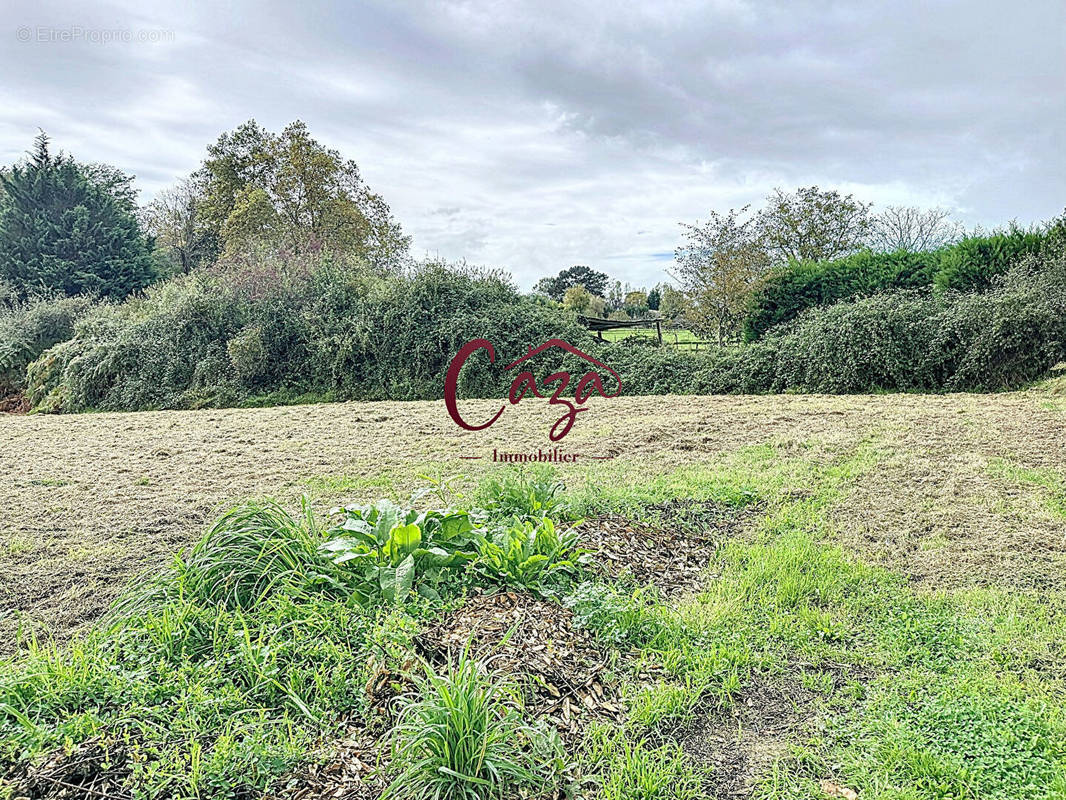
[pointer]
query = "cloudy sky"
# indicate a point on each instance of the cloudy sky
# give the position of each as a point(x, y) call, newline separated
point(537, 135)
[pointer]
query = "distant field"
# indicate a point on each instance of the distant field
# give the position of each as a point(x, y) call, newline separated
point(676, 336)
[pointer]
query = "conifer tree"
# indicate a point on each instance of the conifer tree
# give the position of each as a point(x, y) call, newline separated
point(70, 228)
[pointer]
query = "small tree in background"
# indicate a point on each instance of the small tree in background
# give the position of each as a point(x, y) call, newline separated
point(70, 228)
point(720, 265)
point(180, 231)
point(577, 298)
point(654, 297)
point(636, 304)
point(812, 225)
point(672, 304)
point(597, 306)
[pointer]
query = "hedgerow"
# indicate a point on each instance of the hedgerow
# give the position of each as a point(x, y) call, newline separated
point(968, 266)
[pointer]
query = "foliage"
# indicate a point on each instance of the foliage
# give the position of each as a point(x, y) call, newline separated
point(297, 325)
point(595, 282)
point(721, 263)
point(181, 232)
point(966, 266)
point(812, 225)
point(70, 228)
point(462, 736)
point(392, 551)
point(526, 494)
point(909, 341)
point(533, 555)
point(628, 770)
point(28, 328)
point(577, 298)
point(286, 190)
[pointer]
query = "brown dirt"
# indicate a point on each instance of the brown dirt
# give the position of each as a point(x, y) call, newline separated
point(736, 746)
point(89, 501)
point(635, 552)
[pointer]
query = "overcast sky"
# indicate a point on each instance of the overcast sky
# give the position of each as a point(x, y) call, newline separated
point(534, 136)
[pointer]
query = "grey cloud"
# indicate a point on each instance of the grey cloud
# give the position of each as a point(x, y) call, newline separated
point(537, 135)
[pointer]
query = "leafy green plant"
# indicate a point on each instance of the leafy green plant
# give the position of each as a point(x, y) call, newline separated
point(391, 551)
point(462, 736)
point(523, 494)
point(252, 551)
point(529, 554)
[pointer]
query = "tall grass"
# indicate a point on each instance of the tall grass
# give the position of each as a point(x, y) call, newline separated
point(462, 737)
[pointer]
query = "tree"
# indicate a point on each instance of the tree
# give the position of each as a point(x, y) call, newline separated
point(672, 304)
point(577, 298)
point(913, 229)
point(654, 298)
point(70, 228)
point(719, 266)
point(636, 303)
point(597, 306)
point(812, 225)
point(286, 190)
point(578, 275)
point(179, 228)
point(615, 296)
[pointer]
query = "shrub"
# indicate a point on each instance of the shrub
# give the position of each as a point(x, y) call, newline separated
point(28, 328)
point(298, 326)
point(969, 265)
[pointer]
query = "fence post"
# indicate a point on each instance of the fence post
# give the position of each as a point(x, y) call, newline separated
point(659, 330)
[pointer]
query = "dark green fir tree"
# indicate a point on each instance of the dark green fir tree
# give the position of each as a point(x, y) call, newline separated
point(70, 228)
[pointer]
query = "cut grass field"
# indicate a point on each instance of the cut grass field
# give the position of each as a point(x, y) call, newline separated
point(881, 609)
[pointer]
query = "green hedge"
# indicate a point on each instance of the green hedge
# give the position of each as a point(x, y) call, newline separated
point(967, 266)
point(908, 340)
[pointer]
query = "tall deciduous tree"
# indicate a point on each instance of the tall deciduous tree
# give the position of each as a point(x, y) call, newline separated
point(175, 220)
point(70, 228)
point(287, 190)
point(813, 225)
point(577, 275)
point(719, 265)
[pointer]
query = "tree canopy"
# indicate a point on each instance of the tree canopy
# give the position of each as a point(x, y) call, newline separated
point(70, 228)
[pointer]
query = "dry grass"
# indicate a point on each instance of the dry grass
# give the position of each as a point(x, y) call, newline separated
point(89, 501)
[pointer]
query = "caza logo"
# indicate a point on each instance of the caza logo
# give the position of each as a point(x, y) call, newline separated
point(525, 383)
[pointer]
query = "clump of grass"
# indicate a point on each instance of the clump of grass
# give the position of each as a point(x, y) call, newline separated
point(251, 552)
point(634, 770)
point(462, 737)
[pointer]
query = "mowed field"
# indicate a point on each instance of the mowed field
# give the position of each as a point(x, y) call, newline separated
point(953, 491)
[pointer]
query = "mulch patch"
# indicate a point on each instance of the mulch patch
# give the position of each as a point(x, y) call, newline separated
point(560, 666)
point(354, 771)
point(671, 554)
point(95, 769)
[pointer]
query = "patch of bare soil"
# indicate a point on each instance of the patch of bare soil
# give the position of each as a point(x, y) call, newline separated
point(735, 746)
point(559, 666)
